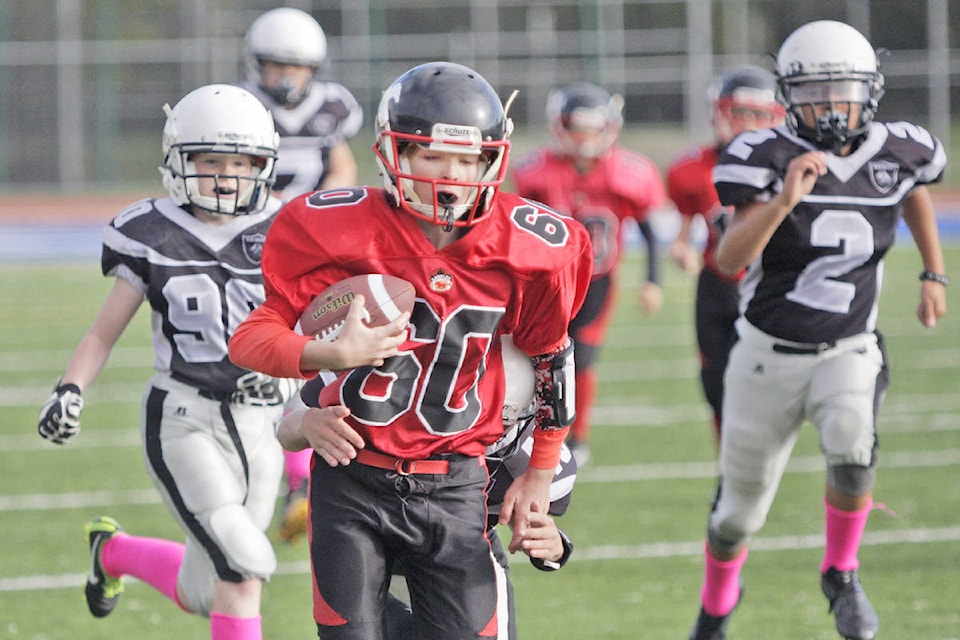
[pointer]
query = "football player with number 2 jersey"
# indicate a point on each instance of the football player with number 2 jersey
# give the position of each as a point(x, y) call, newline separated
point(817, 205)
point(207, 424)
point(590, 177)
point(744, 99)
point(483, 264)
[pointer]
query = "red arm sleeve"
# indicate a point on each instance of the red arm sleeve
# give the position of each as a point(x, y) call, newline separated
point(264, 342)
point(547, 445)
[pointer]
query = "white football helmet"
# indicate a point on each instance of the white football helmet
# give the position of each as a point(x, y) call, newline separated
point(519, 401)
point(586, 107)
point(288, 36)
point(826, 63)
point(219, 118)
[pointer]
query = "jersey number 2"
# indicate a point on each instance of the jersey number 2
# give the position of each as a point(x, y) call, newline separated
point(818, 287)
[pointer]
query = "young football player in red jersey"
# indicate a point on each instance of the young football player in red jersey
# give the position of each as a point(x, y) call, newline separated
point(285, 53)
point(589, 177)
point(207, 425)
point(323, 430)
point(483, 264)
point(745, 99)
point(817, 206)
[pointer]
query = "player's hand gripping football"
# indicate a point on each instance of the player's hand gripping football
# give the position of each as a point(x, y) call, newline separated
point(359, 345)
point(60, 415)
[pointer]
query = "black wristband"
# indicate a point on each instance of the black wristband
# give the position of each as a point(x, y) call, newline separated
point(62, 388)
point(935, 277)
point(553, 565)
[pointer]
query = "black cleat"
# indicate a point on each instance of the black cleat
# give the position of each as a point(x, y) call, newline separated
point(856, 618)
point(102, 590)
point(710, 627)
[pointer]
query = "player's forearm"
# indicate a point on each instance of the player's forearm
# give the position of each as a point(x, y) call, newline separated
point(919, 215)
point(288, 431)
point(748, 233)
point(263, 342)
point(653, 252)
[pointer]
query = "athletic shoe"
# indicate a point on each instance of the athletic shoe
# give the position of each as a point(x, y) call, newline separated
point(102, 590)
point(856, 618)
point(710, 627)
point(293, 526)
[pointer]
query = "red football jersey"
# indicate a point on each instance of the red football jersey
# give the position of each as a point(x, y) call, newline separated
point(622, 185)
point(690, 186)
point(521, 270)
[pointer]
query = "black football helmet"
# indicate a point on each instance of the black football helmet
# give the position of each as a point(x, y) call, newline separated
point(446, 107)
point(743, 99)
point(585, 107)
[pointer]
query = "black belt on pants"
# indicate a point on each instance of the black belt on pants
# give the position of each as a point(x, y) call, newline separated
point(800, 349)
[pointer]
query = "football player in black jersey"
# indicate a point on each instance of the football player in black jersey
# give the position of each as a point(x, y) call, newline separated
point(817, 204)
point(207, 424)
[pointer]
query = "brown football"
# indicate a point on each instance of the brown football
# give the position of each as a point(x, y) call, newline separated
point(385, 299)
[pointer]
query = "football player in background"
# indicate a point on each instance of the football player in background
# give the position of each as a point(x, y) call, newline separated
point(547, 546)
point(588, 176)
point(743, 99)
point(285, 52)
point(817, 204)
point(207, 424)
point(483, 264)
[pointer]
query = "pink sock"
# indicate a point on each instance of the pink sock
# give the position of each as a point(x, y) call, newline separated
point(721, 583)
point(297, 466)
point(224, 627)
point(152, 560)
point(844, 531)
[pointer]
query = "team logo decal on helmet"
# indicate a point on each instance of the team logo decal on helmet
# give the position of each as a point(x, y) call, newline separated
point(219, 119)
point(445, 107)
point(827, 64)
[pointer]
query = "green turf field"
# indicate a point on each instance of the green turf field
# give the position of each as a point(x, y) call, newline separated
point(637, 518)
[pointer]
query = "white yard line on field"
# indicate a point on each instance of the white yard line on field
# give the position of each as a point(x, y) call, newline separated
point(656, 550)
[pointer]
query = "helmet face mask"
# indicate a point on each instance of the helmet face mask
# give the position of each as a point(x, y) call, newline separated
point(585, 119)
point(284, 36)
point(219, 120)
point(745, 99)
point(830, 81)
point(446, 108)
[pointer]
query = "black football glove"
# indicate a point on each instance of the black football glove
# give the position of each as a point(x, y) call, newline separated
point(60, 415)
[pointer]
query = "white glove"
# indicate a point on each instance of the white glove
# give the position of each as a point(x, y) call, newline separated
point(260, 390)
point(60, 415)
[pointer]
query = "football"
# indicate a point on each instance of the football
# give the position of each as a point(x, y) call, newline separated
point(385, 299)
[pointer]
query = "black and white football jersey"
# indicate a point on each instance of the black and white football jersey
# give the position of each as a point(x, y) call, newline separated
point(819, 277)
point(329, 115)
point(200, 280)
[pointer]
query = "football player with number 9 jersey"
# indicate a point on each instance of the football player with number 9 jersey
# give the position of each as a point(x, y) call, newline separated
point(427, 400)
point(817, 205)
point(206, 424)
